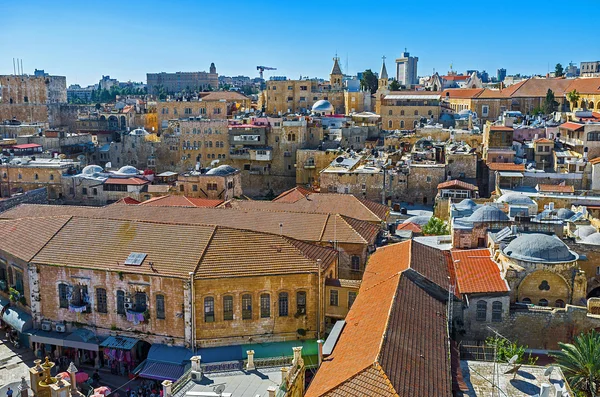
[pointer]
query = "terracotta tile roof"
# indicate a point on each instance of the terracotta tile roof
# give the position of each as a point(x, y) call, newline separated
point(595, 161)
point(226, 95)
point(506, 167)
point(127, 200)
point(501, 128)
point(325, 203)
point(455, 77)
point(492, 94)
point(464, 93)
point(413, 227)
point(571, 126)
point(293, 195)
point(180, 201)
point(555, 188)
point(455, 183)
point(78, 244)
point(543, 140)
point(476, 272)
point(430, 262)
point(310, 227)
point(394, 341)
point(538, 88)
point(366, 230)
point(23, 238)
point(126, 181)
point(585, 85)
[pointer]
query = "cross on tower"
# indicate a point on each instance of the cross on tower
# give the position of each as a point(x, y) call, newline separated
point(383, 57)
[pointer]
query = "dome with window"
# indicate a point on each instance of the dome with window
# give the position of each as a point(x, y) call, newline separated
point(128, 170)
point(323, 107)
point(92, 170)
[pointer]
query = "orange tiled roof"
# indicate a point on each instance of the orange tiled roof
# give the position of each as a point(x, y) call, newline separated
point(500, 128)
point(571, 126)
point(126, 181)
point(544, 140)
point(34, 231)
point(585, 85)
point(127, 200)
point(476, 272)
point(595, 161)
point(394, 341)
point(538, 88)
point(462, 93)
point(555, 188)
point(506, 167)
point(455, 183)
point(181, 201)
point(413, 227)
point(293, 195)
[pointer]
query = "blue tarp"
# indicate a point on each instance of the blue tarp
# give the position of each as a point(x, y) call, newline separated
point(162, 371)
point(169, 354)
point(119, 342)
point(15, 317)
point(261, 350)
point(219, 354)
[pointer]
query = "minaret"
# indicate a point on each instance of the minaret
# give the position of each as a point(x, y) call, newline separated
point(383, 76)
point(213, 68)
point(336, 76)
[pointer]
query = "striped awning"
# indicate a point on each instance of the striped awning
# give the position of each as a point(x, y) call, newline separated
point(161, 371)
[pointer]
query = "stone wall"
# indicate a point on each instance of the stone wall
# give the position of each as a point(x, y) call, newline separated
point(36, 196)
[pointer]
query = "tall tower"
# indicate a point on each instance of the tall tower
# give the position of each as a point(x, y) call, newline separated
point(406, 69)
point(213, 68)
point(336, 76)
point(383, 76)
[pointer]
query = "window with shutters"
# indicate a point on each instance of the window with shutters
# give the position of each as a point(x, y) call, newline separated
point(120, 302)
point(481, 311)
point(497, 311)
point(63, 295)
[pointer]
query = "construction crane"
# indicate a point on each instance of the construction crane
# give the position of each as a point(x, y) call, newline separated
point(261, 69)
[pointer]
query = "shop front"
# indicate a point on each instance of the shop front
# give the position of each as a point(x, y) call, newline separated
point(165, 363)
point(16, 322)
point(81, 346)
point(123, 354)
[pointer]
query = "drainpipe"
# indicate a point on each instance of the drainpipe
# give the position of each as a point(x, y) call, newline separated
point(193, 314)
point(319, 301)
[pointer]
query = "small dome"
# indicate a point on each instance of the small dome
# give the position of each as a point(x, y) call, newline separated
point(91, 170)
point(592, 239)
point(221, 170)
point(488, 213)
point(322, 106)
point(466, 204)
point(139, 132)
point(515, 199)
point(539, 248)
point(419, 219)
point(128, 170)
point(584, 231)
point(564, 213)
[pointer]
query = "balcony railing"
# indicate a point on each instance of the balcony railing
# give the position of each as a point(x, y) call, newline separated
point(572, 141)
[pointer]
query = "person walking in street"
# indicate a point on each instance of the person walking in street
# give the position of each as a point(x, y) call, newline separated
point(9, 392)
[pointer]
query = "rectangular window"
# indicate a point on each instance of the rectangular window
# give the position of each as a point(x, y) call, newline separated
point(301, 302)
point(209, 309)
point(19, 282)
point(101, 305)
point(228, 308)
point(63, 295)
point(140, 302)
point(160, 307)
point(333, 297)
point(120, 302)
point(265, 306)
point(246, 307)
point(283, 304)
point(83, 190)
point(355, 263)
point(351, 299)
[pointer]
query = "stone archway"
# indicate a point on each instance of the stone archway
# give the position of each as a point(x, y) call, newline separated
point(544, 284)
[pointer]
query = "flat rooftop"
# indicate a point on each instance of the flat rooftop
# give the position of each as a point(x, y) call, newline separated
point(237, 383)
point(479, 375)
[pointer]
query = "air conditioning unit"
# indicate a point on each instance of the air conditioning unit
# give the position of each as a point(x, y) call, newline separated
point(128, 305)
point(60, 327)
point(46, 326)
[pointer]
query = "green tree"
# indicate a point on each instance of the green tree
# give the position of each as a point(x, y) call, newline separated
point(558, 70)
point(580, 362)
point(436, 227)
point(395, 86)
point(549, 105)
point(505, 350)
point(369, 81)
point(573, 97)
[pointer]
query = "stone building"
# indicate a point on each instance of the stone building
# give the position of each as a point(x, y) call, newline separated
point(201, 142)
point(220, 183)
point(310, 162)
point(25, 174)
point(172, 110)
point(180, 81)
point(404, 110)
point(581, 138)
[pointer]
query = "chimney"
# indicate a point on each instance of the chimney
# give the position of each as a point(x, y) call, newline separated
point(72, 370)
point(514, 230)
point(250, 365)
point(271, 390)
point(297, 355)
point(23, 388)
point(167, 385)
point(196, 368)
point(284, 372)
point(320, 344)
point(60, 388)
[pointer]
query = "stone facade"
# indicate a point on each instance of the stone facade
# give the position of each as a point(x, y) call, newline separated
point(207, 186)
point(406, 114)
point(172, 110)
point(201, 141)
point(35, 174)
point(36, 196)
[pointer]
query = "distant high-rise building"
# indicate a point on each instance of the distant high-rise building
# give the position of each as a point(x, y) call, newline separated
point(501, 74)
point(406, 69)
point(177, 82)
point(590, 69)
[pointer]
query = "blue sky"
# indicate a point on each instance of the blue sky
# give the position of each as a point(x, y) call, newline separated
point(126, 39)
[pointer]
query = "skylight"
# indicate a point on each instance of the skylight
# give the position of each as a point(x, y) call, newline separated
point(135, 258)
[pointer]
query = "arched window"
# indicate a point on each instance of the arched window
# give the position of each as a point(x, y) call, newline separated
point(283, 304)
point(390, 112)
point(401, 123)
point(481, 311)
point(228, 307)
point(301, 302)
point(209, 309)
point(140, 302)
point(36, 176)
point(63, 295)
point(559, 303)
point(389, 123)
point(543, 302)
point(265, 305)
point(120, 302)
point(160, 307)
point(527, 301)
point(51, 177)
point(496, 311)
point(101, 305)
point(429, 112)
point(416, 123)
point(402, 113)
point(416, 112)
point(246, 307)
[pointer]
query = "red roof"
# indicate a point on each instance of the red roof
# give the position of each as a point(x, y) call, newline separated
point(506, 167)
point(555, 188)
point(476, 272)
point(544, 140)
point(413, 227)
point(293, 195)
point(500, 128)
point(181, 201)
point(127, 200)
point(457, 184)
point(455, 78)
point(571, 126)
point(27, 146)
point(595, 161)
point(126, 181)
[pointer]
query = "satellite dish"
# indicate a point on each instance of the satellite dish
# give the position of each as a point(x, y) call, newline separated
point(513, 359)
point(219, 389)
point(548, 371)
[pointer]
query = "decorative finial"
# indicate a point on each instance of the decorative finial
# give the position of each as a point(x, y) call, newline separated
point(383, 57)
point(72, 368)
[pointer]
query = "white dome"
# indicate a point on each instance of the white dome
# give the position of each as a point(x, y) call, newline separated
point(91, 170)
point(539, 248)
point(584, 231)
point(139, 132)
point(515, 199)
point(128, 170)
point(221, 170)
point(592, 239)
point(322, 106)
